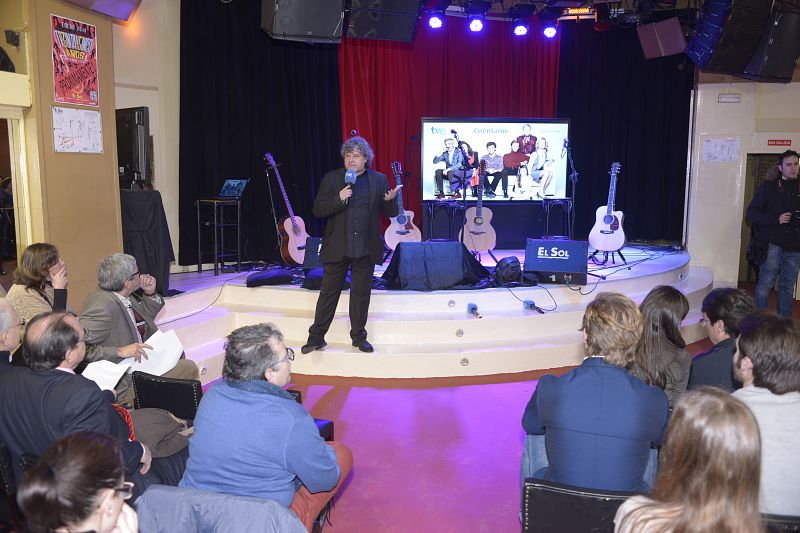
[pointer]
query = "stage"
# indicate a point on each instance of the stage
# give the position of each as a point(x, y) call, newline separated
point(426, 334)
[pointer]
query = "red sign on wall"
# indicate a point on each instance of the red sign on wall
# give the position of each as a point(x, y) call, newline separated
point(779, 142)
point(74, 62)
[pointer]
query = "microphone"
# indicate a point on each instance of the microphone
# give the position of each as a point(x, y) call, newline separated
point(564, 148)
point(473, 310)
point(350, 176)
point(529, 304)
point(353, 133)
point(454, 132)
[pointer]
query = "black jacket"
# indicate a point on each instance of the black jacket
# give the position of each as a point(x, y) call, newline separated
point(772, 199)
point(329, 205)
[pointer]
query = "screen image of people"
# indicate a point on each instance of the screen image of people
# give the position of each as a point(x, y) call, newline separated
point(519, 163)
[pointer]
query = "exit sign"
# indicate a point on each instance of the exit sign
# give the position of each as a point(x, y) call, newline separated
point(779, 142)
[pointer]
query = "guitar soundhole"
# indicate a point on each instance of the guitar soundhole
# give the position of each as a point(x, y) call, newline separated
point(478, 221)
point(402, 220)
point(608, 219)
point(296, 230)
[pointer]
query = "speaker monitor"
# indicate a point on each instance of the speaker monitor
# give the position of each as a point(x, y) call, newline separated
point(557, 260)
point(664, 38)
point(389, 20)
point(776, 55)
point(728, 34)
point(311, 256)
point(312, 21)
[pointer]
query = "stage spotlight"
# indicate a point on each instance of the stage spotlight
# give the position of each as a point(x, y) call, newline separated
point(521, 27)
point(520, 15)
point(436, 19)
point(476, 23)
point(550, 29)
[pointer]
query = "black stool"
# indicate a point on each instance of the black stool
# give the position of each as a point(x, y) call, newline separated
point(566, 208)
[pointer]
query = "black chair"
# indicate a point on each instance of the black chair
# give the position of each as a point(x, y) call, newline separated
point(178, 396)
point(325, 427)
point(549, 507)
point(775, 523)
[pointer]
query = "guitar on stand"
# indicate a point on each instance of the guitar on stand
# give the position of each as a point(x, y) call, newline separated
point(292, 229)
point(607, 234)
point(401, 228)
point(478, 235)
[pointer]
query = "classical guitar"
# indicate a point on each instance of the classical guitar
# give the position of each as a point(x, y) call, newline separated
point(292, 229)
point(401, 228)
point(607, 234)
point(478, 235)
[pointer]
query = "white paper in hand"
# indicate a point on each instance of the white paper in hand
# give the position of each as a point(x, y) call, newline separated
point(167, 349)
point(105, 373)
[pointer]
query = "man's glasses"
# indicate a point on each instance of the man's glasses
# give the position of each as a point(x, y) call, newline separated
point(289, 357)
point(134, 275)
point(126, 490)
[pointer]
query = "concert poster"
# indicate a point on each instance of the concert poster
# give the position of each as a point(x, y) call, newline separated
point(74, 62)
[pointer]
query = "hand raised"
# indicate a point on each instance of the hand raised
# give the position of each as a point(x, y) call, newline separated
point(345, 193)
point(58, 276)
point(391, 194)
point(148, 284)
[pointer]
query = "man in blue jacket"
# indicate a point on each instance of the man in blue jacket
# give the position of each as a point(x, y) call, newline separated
point(252, 439)
point(598, 422)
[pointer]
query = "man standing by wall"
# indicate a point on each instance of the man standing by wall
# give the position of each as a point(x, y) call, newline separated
point(774, 212)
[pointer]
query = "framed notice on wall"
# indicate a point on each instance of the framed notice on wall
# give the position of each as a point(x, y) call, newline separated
point(77, 130)
point(74, 49)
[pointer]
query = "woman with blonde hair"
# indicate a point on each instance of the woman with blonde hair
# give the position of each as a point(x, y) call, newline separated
point(40, 282)
point(709, 471)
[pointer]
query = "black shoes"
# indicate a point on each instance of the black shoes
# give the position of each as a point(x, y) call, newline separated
point(313, 346)
point(364, 346)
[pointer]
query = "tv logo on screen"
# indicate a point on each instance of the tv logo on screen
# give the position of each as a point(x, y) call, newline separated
point(438, 131)
point(553, 253)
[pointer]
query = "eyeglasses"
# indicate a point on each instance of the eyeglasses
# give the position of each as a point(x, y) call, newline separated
point(289, 357)
point(126, 490)
point(134, 275)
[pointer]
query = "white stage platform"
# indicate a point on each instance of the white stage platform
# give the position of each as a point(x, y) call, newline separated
point(425, 334)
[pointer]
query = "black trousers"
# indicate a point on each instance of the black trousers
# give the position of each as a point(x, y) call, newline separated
point(497, 176)
point(163, 471)
point(439, 177)
point(333, 277)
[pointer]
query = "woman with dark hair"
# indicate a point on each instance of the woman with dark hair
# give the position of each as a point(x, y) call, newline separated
point(40, 282)
point(78, 485)
point(662, 359)
point(709, 472)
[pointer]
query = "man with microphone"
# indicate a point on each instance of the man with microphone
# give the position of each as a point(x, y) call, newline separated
point(352, 199)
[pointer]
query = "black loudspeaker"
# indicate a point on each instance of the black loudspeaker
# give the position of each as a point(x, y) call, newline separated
point(311, 256)
point(557, 261)
point(389, 20)
point(740, 36)
point(311, 21)
point(660, 39)
point(777, 53)
point(133, 146)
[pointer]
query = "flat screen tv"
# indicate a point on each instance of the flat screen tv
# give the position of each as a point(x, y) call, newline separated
point(536, 162)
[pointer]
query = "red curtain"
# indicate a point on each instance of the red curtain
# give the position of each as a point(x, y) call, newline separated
point(387, 87)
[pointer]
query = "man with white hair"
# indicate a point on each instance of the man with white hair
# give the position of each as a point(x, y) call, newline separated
point(120, 316)
point(9, 333)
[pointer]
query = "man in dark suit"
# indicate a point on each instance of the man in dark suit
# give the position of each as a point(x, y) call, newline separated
point(598, 422)
point(722, 309)
point(47, 400)
point(352, 240)
point(452, 159)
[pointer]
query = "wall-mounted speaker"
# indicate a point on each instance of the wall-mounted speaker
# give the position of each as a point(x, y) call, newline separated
point(776, 56)
point(311, 21)
point(119, 9)
point(388, 20)
point(660, 39)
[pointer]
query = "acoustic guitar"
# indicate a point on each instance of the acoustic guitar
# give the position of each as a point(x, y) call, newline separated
point(401, 228)
point(292, 229)
point(607, 234)
point(478, 235)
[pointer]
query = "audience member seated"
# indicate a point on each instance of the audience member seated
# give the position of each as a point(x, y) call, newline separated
point(662, 355)
point(40, 282)
point(515, 164)
point(9, 333)
point(48, 400)
point(78, 485)
point(767, 362)
point(708, 473)
point(252, 439)
point(722, 310)
point(598, 421)
point(119, 318)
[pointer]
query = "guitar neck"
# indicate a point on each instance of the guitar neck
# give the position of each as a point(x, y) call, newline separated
point(399, 182)
point(612, 191)
point(285, 196)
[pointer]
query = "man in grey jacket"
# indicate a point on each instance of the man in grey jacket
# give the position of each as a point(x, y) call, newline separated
point(120, 316)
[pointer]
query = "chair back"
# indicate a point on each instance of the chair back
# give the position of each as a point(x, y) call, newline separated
point(549, 507)
point(163, 509)
point(775, 523)
point(178, 396)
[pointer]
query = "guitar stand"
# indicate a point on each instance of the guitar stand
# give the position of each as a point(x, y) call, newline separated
point(594, 259)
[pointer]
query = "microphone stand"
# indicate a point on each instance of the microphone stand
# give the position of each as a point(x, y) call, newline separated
point(573, 178)
point(463, 181)
point(279, 237)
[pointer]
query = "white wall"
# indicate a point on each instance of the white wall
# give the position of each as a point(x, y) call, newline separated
point(716, 190)
point(147, 68)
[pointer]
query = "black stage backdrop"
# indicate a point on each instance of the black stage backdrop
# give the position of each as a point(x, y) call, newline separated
point(243, 94)
point(628, 109)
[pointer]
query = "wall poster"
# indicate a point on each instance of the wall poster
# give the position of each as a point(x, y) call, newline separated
point(74, 62)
